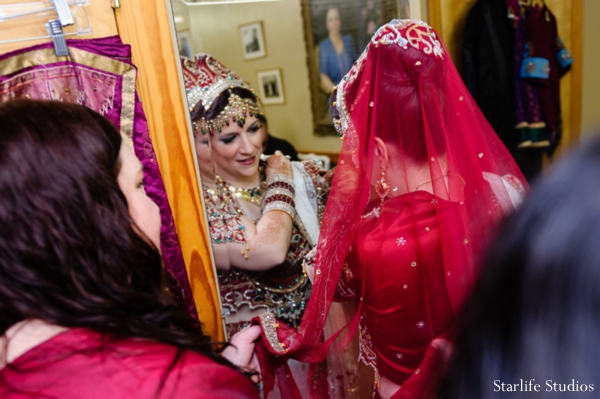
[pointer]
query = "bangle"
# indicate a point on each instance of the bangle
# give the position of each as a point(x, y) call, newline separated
point(280, 206)
point(282, 184)
point(278, 191)
point(280, 198)
point(280, 177)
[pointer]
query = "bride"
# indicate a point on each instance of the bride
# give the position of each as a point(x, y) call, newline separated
point(421, 182)
point(263, 215)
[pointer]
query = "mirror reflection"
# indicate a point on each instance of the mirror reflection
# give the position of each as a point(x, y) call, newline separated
point(258, 78)
point(263, 212)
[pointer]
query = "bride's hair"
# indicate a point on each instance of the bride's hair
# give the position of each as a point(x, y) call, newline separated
point(220, 103)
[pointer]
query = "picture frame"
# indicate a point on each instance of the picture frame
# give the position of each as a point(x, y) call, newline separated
point(358, 21)
point(271, 86)
point(185, 44)
point(252, 39)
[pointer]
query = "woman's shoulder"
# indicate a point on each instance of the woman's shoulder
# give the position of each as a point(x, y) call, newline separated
point(325, 43)
point(196, 376)
point(508, 189)
point(76, 364)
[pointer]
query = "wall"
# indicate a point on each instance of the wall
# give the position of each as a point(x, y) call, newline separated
point(100, 15)
point(214, 30)
point(590, 107)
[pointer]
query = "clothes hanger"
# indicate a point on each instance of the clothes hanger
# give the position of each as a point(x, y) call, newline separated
point(60, 6)
point(54, 27)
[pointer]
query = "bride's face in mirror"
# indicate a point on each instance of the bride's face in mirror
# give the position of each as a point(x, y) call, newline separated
point(236, 151)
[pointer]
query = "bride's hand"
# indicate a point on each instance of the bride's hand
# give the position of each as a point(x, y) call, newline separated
point(278, 164)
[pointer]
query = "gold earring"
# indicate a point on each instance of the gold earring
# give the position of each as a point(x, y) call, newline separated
point(382, 188)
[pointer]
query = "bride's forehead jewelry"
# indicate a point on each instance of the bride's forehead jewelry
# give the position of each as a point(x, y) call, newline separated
point(205, 80)
point(236, 110)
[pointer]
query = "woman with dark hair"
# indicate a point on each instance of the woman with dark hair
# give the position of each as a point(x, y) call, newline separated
point(84, 309)
point(264, 216)
point(270, 143)
point(531, 327)
point(421, 182)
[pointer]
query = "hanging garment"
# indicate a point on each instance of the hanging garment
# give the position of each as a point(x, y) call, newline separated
point(529, 120)
point(99, 74)
point(547, 60)
point(488, 54)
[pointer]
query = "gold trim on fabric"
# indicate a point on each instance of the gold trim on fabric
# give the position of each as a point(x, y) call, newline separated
point(269, 326)
point(46, 56)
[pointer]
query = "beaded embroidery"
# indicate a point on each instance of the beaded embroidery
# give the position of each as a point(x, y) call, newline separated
point(205, 78)
point(284, 290)
point(367, 354)
point(269, 325)
point(401, 32)
point(343, 289)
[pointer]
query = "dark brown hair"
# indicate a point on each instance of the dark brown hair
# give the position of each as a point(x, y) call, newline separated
point(69, 253)
point(401, 89)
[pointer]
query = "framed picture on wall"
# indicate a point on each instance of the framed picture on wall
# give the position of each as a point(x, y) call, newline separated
point(351, 23)
point(252, 40)
point(185, 44)
point(271, 88)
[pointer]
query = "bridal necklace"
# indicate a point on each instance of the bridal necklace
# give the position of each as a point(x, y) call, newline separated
point(428, 181)
point(252, 195)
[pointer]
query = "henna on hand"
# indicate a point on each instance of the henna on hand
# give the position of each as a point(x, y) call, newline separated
point(278, 164)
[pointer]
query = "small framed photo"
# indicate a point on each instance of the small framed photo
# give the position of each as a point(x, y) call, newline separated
point(271, 88)
point(185, 44)
point(253, 41)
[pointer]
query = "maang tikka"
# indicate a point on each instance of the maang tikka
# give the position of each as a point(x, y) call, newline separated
point(237, 108)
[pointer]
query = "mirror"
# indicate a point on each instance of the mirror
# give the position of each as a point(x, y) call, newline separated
point(274, 46)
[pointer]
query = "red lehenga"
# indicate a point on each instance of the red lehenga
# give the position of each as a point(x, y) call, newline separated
point(421, 182)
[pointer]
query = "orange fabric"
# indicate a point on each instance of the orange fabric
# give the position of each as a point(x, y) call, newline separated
point(144, 27)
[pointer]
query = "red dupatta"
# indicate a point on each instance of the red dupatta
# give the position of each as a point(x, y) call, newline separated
point(405, 91)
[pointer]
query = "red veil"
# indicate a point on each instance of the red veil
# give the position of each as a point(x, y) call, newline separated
point(405, 91)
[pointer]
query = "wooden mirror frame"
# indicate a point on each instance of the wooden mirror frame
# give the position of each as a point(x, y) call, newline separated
point(149, 25)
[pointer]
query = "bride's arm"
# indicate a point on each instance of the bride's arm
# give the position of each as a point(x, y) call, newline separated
point(266, 246)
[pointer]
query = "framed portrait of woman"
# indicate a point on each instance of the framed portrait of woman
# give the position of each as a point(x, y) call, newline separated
point(335, 34)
